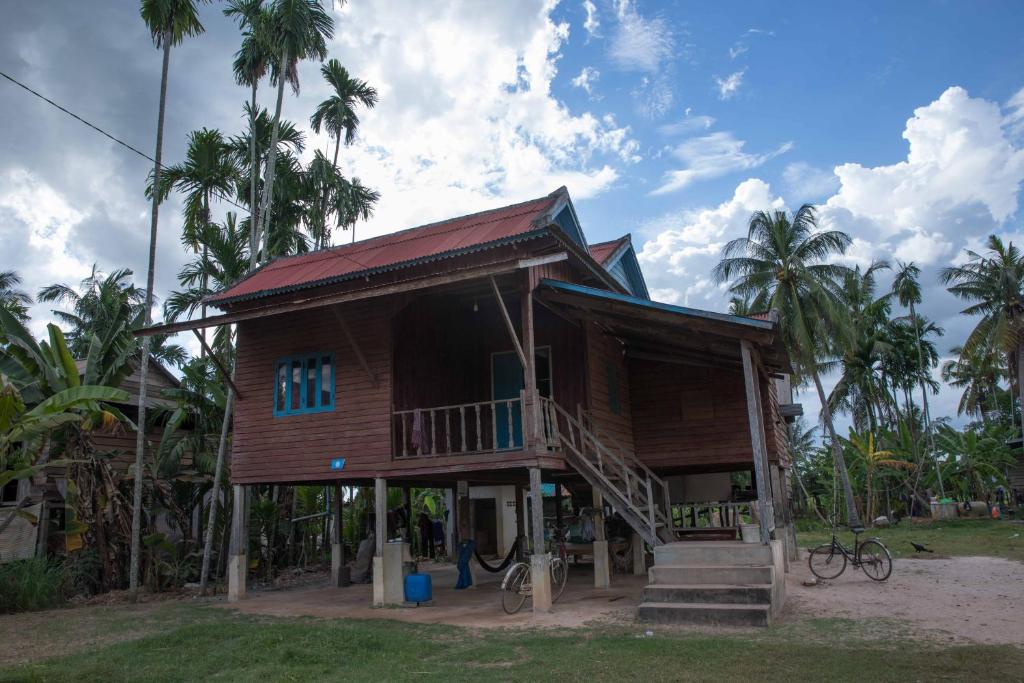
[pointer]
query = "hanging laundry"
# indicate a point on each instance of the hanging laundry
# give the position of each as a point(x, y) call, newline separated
point(418, 439)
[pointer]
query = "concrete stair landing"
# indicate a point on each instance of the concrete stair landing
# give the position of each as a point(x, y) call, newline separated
point(714, 583)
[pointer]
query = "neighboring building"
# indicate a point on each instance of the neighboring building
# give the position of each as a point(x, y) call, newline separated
point(500, 350)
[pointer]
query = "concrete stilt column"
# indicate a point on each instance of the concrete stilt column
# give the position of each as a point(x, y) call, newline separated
point(639, 555)
point(540, 561)
point(380, 502)
point(238, 548)
point(520, 523)
point(464, 523)
point(602, 570)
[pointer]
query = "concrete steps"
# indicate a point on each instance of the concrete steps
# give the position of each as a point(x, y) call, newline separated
point(705, 614)
point(722, 594)
point(714, 583)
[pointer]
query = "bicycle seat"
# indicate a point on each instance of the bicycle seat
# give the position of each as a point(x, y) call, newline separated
point(857, 530)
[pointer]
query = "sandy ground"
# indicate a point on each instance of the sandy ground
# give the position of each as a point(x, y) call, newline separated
point(957, 599)
point(964, 599)
point(476, 607)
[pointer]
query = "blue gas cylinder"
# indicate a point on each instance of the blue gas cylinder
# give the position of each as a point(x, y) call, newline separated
point(418, 588)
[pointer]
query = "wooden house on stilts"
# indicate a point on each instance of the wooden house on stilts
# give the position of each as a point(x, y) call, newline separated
point(500, 349)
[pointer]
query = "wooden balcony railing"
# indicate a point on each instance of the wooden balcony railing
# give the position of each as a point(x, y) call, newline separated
point(481, 427)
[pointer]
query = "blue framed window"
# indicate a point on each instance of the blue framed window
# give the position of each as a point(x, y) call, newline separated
point(304, 384)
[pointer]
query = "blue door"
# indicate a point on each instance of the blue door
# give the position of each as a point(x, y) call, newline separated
point(507, 374)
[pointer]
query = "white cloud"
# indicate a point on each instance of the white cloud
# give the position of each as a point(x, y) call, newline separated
point(689, 124)
point(640, 43)
point(591, 24)
point(806, 183)
point(687, 243)
point(712, 156)
point(960, 163)
point(587, 78)
point(466, 115)
point(730, 85)
point(923, 247)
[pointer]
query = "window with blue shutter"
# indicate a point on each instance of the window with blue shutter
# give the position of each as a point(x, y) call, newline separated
point(304, 384)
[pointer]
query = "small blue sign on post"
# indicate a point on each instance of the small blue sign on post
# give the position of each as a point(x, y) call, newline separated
point(338, 464)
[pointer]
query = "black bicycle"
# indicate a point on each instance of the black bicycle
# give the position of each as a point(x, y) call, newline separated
point(828, 560)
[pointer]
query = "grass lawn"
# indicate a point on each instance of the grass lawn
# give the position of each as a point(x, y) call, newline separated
point(180, 641)
point(995, 538)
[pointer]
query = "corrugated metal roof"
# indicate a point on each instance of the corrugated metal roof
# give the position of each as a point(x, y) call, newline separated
point(395, 250)
point(604, 250)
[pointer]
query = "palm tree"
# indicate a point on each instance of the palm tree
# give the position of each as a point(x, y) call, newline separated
point(994, 284)
point(12, 299)
point(298, 30)
point(207, 171)
point(872, 458)
point(908, 292)
point(251, 63)
point(169, 22)
point(978, 375)
point(786, 261)
point(337, 114)
point(746, 306)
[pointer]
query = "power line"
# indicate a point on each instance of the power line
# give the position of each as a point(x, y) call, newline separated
point(106, 134)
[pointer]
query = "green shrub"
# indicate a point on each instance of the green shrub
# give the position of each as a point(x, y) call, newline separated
point(27, 585)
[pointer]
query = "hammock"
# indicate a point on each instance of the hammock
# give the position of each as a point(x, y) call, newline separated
point(504, 563)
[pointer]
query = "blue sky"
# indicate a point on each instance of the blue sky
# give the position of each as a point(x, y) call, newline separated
point(673, 121)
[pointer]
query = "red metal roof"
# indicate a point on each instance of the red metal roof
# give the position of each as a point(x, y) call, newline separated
point(603, 251)
point(392, 251)
point(761, 316)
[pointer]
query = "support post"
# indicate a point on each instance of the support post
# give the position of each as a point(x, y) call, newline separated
point(340, 571)
point(520, 523)
point(750, 384)
point(639, 555)
point(407, 502)
point(380, 503)
point(531, 399)
point(540, 561)
point(450, 539)
point(238, 547)
point(602, 570)
point(465, 523)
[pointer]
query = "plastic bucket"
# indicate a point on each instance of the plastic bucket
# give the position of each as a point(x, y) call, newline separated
point(751, 533)
point(418, 588)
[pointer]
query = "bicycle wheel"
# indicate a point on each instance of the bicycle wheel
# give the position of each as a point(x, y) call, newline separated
point(559, 575)
point(875, 560)
point(826, 562)
point(515, 587)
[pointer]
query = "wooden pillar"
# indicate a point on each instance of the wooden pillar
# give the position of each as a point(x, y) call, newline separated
point(752, 388)
point(340, 573)
point(520, 523)
point(464, 520)
point(380, 504)
point(540, 561)
point(531, 404)
point(602, 568)
point(558, 505)
point(451, 540)
point(238, 546)
point(639, 555)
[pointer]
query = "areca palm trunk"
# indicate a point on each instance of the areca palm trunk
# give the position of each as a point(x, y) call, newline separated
point(140, 435)
point(1020, 381)
point(204, 573)
point(837, 454)
point(253, 173)
point(268, 189)
point(924, 397)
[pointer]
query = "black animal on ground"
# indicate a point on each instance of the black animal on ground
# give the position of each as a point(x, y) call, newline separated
point(920, 548)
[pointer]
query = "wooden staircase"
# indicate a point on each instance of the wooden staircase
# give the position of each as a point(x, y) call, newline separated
point(639, 495)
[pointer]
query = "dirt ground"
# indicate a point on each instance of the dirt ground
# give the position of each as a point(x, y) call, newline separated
point(956, 599)
point(476, 607)
point(964, 599)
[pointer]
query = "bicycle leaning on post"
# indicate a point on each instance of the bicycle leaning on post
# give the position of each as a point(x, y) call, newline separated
point(518, 584)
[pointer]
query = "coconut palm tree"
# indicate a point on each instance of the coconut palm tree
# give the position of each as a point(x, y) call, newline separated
point(978, 375)
point(337, 114)
point(169, 22)
point(251, 63)
point(994, 284)
point(15, 301)
point(786, 261)
point(297, 30)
